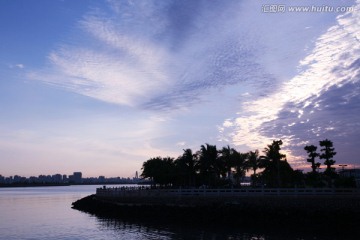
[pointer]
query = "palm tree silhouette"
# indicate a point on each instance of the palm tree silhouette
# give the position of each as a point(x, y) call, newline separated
point(227, 157)
point(240, 165)
point(208, 156)
point(272, 160)
point(187, 164)
point(254, 161)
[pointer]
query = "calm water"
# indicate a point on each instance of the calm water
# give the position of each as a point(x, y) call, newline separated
point(45, 213)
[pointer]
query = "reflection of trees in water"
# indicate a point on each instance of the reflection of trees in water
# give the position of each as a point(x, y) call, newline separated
point(127, 230)
point(149, 230)
point(144, 230)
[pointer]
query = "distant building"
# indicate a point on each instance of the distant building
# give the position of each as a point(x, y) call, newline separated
point(77, 177)
point(33, 179)
point(101, 179)
point(57, 178)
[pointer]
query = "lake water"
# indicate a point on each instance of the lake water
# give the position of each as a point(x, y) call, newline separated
point(45, 213)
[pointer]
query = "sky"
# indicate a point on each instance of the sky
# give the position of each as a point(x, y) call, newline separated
point(102, 86)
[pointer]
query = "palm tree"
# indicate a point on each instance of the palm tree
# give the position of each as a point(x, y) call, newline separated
point(254, 161)
point(311, 150)
point(187, 164)
point(228, 159)
point(208, 156)
point(240, 165)
point(272, 162)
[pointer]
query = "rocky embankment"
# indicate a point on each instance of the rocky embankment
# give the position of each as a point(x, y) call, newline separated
point(330, 213)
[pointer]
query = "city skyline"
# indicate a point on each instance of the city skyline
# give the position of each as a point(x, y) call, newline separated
point(75, 178)
point(103, 86)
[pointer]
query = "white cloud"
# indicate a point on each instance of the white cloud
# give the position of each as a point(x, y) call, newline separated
point(104, 76)
point(181, 144)
point(327, 65)
point(18, 65)
point(144, 55)
point(141, 55)
point(120, 68)
point(227, 123)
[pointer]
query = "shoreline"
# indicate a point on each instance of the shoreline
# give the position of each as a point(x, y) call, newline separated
point(342, 213)
point(32, 185)
point(61, 184)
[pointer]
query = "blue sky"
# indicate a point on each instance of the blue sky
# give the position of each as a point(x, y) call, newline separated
point(102, 86)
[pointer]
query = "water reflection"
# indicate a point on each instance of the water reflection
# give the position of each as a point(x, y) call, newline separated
point(45, 213)
point(153, 230)
point(148, 230)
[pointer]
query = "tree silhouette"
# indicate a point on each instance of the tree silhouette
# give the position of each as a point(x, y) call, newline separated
point(209, 170)
point(327, 153)
point(272, 151)
point(311, 150)
point(274, 157)
point(240, 165)
point(211, 167)
point(186, 167)
point(277, 170)
point(226, 155)
point(159, 170)
point(254, 163)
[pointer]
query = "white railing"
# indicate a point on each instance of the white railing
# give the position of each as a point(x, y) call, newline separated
point(147, 192)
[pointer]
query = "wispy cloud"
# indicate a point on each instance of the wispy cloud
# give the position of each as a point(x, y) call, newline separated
point(153, 55)
point(169, 55)
point(332, 63)
point(18, 65)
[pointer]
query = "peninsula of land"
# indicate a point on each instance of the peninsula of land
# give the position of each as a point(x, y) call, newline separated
point(291, 208)
point(205, 187)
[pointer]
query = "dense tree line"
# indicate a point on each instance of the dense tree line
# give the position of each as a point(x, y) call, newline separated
point(227, 167)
